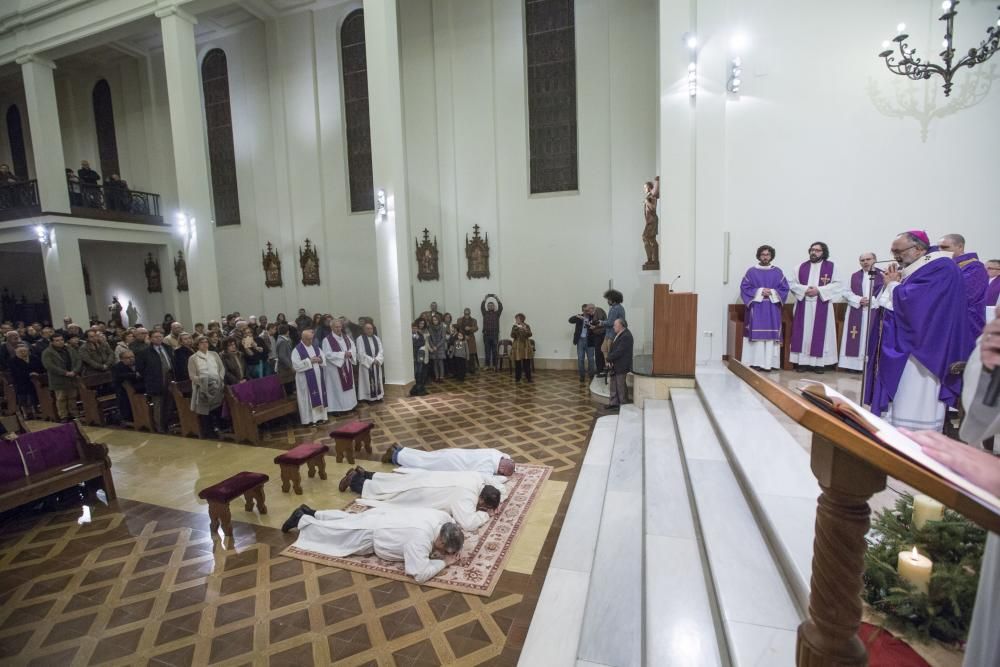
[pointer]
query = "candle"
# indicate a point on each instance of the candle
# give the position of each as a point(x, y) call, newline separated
point(926, 509)
point(915, 569)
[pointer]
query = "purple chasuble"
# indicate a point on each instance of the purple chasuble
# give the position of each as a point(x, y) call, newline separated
point(976, 283)
point(993, 293)
point(822, 311)
point(346, 372)
point(763, 318)
point(928, 322)
point(317, 390)
point(854, 314)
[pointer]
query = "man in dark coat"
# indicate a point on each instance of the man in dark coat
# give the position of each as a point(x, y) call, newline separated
point(124, 371)
point(619, 360)
point(156, 364)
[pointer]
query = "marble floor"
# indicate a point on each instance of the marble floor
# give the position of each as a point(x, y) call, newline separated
point(141, 581)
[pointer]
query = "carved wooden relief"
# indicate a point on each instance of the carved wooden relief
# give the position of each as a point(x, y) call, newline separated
point(309, 261)
point(356, 119)
point(104, 120)
point(272, 266)
point(153, 283)
point(221, 151)
point(427, 258)
point(477, 252)
point(551, 59)
point(180, 270)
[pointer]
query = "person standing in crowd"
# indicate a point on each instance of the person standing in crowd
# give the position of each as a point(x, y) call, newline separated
point(302, 321)
point(619, 363)
point(860, 295)
point(468, 325)
point(371, 376)
point(233, 362)
point(173, 338)
point(308, 363)
point(438, 340)
point(254, 354)
point(95, 355)
point(976, 280)
point(615, 311)
point(156, 366)
point(207, 372)
point(185, 350)
point(283, 350)
point(459, 356)
point(338, 373)
point(140, 341)
point(583, 341)
point(124, 371)
point(270, 338)
point(814, 330)
point(491, 311)
point(62, 369)
point(20, 373)
point(521, 351)
point(763, 290)
point(421, 356)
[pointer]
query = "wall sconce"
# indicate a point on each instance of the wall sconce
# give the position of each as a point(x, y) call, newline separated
point(380, 207)
point(185, 226)
point(691, 42)
point(693, 79)
point(44, 235)
point(735, 81)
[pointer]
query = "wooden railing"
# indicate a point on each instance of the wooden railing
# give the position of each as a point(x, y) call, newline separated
point(115, 203)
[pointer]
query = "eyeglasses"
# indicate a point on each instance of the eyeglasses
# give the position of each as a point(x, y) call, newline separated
point(897, 253)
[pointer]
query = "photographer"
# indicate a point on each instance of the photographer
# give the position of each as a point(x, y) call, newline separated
point(583, 338)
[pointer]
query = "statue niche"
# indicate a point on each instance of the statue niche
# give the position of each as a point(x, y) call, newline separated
point(181, 271)
point(309, 261)
point(427, 258)
point(153, 283)
point(477, 253)
point(272, 266)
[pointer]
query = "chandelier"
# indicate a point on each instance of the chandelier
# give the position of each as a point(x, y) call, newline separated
point(914, 68)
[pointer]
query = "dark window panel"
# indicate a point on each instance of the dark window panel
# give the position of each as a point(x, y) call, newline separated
point(15, 136)
point(356, 116)
point(221, 149)
point(104, 121)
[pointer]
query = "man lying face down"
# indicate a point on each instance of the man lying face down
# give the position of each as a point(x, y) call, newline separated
point(485, 461)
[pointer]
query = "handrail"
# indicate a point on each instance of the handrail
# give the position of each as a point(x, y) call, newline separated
point(111, 198)
point(23, 194)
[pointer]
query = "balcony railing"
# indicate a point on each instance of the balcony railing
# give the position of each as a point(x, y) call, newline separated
point(19, 200)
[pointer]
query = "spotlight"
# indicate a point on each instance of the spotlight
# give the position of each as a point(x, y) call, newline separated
point(691, 41)
point(380, 206)
point(44, 235)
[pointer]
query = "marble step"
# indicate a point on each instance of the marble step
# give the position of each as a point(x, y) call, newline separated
point(554, 634)
point(758, 611)
point(680, 628)
point(612, 619)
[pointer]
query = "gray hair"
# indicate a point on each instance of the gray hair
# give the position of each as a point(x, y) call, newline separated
point(624, 323)
point(957, 239)
point(452, 538)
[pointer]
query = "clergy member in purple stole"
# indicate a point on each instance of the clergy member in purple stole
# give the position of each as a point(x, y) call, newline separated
point(338, 352)
point(865, 284)
point(919, 333)
point(371, 377)
point(308, 362)
point(976, 280)
point(763, 290)
point(814, 330)
point(993, 289)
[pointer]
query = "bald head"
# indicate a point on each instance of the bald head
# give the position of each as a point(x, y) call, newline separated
point(953, 243)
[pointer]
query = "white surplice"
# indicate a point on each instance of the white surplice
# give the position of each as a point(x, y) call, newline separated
point(365, 361)
point(338, 399)
point(483, 461)
point(764, 354)
point(854, 302)
point(391, 533)
point(307, 413)
point(828, 293)
point(456, 493)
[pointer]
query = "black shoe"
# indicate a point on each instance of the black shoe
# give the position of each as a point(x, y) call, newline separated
point(801, 369)
point(819, 370)
point(308, 511)
point(293, 520)
point(346, 480)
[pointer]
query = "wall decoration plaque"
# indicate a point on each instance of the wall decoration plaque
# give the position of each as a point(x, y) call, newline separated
point(477, 252)
point(181, 271)
point(309, 261)
point(153, 283)
point(427, 258)
point(272, 266)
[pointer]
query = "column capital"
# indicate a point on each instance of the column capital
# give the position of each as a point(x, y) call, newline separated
point(25, 58)
point(174, 10)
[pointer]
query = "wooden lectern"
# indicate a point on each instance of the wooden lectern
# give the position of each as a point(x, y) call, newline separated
point(675, 324)
point(850, 468)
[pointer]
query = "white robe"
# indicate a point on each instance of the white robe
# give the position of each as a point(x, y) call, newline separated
point(307, 413)
point(364, 363)
point(854, 301)
point(764, 354)
point(456, 493)
point(338, 399)
point(827, 293)
point(483, 461)
point(391, 533)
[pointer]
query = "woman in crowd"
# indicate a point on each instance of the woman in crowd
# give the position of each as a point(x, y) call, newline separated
point(521, 351)
point(459, 356)
point(232, 361)
point(126, 340)
point(215, 340)
point(208, 375)
point(181, 356)
point(420, 357)
point(449, 332)
point(254, 354)
point(20, 371)
point(437, 346)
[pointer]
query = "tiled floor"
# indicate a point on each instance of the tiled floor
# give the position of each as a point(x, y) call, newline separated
point(142, 581)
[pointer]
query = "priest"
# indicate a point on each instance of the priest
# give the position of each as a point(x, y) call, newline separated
point(993, 289)
point(764, 290)
point(408, 534)
point(860, 295)
point(308, 363)
point(976, 280)
point(484, 461)
point(466, 496)
point(338, 372)
point(371, 376)
point(814, 331)
point(919, 333)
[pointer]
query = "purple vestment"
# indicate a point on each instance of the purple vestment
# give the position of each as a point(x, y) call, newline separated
point(854, 315)
point(993, 293)
point(346, 372)
point(317, 390)
point(928, 322)
point(976, 282)
point(763, 318)
point(822, 312)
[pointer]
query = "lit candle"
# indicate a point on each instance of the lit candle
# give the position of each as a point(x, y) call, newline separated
point(915, 569)
point(926, 509)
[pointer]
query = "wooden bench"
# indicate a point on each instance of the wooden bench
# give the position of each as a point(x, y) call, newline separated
point(250, 485)
point(189, 419)
point(312, 454)
point(46, 399)
point(8, 397)
point(248, 417)
point(99, 401)
point(350, 437)
point(41, 463)
point(142, 409)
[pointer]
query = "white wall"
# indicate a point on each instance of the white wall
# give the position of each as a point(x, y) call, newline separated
point(118, 269)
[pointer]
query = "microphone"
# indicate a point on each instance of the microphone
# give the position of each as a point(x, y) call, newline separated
point(992, 396)
point(670, 288)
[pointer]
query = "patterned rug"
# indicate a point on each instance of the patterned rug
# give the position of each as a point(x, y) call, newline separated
point(483, 555)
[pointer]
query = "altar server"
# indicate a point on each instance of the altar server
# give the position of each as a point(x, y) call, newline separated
point(308, 362)
point(864, 287)
point(371, 376)
point(814, 331)
point(338, 353)
point(763, 290)
point(484, 461)
point(976, 280)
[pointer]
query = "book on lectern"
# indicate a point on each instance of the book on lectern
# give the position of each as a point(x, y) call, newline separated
point(833, 402)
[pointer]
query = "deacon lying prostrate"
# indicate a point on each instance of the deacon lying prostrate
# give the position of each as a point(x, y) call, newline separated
point(484, 461)
point(464, 495)
point(391, 532)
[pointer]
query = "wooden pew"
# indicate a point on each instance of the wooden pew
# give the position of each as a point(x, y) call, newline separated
point(46, 399)
point(99, 402)
point(189, 419)
point(8, 397)
point(247, 419)
point(142, 409)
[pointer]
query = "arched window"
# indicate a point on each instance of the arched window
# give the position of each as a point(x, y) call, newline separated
point(104, 120)
point(359, 134)
point(221, 152)
point(551, 60)
point(15, 136)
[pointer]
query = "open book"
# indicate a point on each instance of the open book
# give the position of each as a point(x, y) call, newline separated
point(831, 400)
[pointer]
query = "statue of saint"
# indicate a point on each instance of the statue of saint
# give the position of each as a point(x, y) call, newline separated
point(132, 313)
point(651, 194)
point(116, 312)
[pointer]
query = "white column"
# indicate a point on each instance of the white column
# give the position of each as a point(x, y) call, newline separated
point(187, 125)
point(46, 137)
point(392, 234)
point(64, 276)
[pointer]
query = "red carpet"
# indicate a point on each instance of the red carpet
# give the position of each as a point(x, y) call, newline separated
point(886, 650)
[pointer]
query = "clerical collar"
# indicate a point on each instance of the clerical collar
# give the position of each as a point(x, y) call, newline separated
point(924, 261)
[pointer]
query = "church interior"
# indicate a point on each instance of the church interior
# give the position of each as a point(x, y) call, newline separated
point(720, 278)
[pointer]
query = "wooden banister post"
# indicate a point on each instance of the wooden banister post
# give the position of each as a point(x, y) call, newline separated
point(830, 635)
